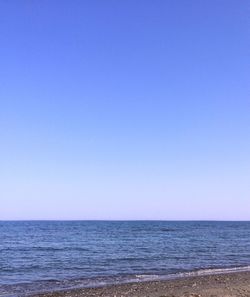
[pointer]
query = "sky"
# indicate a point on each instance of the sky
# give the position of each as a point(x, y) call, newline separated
point(124, 110)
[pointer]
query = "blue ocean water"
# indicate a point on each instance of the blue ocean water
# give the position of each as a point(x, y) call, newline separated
point(51, 255)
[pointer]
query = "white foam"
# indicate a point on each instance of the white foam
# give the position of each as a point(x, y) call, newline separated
point(200, 272)
point(215, 271)
point(147, 276)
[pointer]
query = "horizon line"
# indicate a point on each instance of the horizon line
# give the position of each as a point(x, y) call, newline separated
point(121, 220)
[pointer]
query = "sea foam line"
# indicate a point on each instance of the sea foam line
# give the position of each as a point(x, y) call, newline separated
point(199, 272)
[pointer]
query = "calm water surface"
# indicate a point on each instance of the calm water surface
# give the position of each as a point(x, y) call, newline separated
point(50, 255)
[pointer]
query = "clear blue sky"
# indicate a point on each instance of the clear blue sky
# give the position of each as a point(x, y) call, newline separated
point(124, 109)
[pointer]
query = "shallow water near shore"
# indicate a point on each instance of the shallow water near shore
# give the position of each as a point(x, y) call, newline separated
point(38, 256)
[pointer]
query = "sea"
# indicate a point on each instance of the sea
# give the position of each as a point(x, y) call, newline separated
point(44, 256)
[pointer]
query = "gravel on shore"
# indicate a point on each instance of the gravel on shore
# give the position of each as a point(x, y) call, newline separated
point(221, 285)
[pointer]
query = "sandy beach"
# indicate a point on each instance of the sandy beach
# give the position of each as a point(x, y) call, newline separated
point(220, 285)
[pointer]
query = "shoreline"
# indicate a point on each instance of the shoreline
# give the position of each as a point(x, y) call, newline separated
point(230, 284)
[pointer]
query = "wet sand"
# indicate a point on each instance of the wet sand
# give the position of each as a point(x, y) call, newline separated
point(221, 285)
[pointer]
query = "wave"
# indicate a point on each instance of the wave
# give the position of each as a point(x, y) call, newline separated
point(168, 230)
point(45, 285)
point(198, 272)
point(210, 271)
point(43, 248)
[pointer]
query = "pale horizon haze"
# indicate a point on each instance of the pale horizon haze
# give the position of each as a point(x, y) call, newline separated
point(124, 110)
